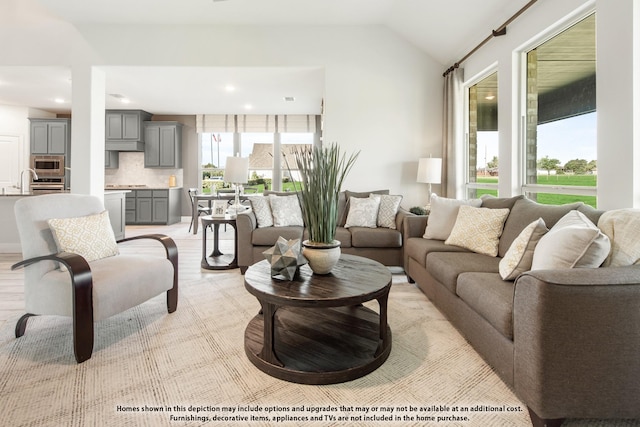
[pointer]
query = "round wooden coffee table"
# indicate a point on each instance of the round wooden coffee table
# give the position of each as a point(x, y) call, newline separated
point(314, 329)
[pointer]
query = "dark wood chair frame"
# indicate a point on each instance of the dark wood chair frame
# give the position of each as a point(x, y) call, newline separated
point(82, 282)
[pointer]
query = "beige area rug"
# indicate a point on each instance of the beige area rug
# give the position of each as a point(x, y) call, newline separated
point(188, 368)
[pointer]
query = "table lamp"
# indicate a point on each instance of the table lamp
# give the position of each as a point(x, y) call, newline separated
point(236, 171)
point(430, 171)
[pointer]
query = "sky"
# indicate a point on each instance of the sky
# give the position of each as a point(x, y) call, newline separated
point(573, 138)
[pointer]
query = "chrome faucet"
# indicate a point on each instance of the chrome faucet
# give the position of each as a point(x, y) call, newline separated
point(35, 176)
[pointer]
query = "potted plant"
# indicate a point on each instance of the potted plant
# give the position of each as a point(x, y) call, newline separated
point(322, 171)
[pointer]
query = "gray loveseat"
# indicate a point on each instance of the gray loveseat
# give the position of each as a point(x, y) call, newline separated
point(381, 244)
point(567, 341)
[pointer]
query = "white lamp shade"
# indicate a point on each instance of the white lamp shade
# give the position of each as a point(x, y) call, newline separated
point(236, 170)
point(430, 170)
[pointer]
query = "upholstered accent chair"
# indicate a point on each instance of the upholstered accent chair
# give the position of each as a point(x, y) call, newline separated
point(67, 284)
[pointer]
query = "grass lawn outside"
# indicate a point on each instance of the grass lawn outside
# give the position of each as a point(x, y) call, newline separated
point(550, 198)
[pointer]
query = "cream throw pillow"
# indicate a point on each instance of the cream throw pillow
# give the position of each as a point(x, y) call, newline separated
point(519, 256)
point(362, 212)
point(622, 226)
point(443, 216)
point(387, 210)
point(573, 242)
point(89, 236)
point(286, 210)
point(262, 210)
point(478, 229)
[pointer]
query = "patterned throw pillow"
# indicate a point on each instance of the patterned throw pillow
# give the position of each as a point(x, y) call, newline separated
point(519, 256)
point(88, 236)
point(262, 210)
point(478, 229)
point(443, 216)
point(286, 210)
point(362, 212)
point(388, 209)
point(622, 226)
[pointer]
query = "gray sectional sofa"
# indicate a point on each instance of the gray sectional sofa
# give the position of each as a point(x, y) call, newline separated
point(567, 341)
point(381, 244)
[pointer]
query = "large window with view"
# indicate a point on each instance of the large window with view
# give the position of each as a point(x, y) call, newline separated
point(482, 138)
point(560, 154)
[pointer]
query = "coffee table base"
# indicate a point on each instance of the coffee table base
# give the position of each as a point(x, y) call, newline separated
point(320, 345)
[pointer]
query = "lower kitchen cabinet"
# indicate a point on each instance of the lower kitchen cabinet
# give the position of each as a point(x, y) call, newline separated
point(154, 206)
point(114, 203)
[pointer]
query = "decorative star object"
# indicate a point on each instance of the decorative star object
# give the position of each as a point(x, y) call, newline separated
point(285, 257)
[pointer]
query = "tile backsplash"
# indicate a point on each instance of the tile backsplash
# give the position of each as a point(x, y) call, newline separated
point(133, 172)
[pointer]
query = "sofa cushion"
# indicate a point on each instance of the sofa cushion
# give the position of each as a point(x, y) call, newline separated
point(478, 229)
point(574, 242)
point(418, 248)
point(286, 210)
point(622, 226)
point(362, 212)
point(344, 236)
point(520, 254)
point(445, 267)
point(492, 202)
point(387, 210)
point(269, 236)
point(489, 296)
point(362, 237)
point(524, 212)
point(443, 216)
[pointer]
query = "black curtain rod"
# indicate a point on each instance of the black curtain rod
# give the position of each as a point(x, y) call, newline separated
point(501, 31)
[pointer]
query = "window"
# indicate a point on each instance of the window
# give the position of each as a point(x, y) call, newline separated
point(214, 150)
point(258, 146)
point(482, 138)
point(560, 161)
point(288, 142)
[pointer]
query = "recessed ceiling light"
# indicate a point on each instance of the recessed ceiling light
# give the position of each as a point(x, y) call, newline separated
point(59, 100)
point(125, 100)
point(248, 107)
point(230, 88)
point(289, 98)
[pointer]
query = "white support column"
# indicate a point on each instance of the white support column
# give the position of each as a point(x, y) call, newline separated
point(618, 103)
point(87, 130)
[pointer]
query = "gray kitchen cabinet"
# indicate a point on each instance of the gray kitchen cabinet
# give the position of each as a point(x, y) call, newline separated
point(50, 136)
point(163, 145)
point(114, 203)
point(111, 159)
point(124, 130)
point(153, 206)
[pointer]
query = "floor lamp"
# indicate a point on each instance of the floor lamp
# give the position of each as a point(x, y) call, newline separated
point(236, 171)
point(430, 171)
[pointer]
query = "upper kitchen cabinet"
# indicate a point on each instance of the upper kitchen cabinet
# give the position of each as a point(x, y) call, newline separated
point(50, 136)
point(163, 145)
point(125, 130)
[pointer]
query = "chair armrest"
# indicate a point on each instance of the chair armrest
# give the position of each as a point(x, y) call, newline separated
point(414, 226)
point(576, 342)
point(246, 222)
point(75, 263)
point(400, 218)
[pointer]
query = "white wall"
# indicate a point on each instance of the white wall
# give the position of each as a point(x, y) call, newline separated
point(617, 106)
point(382, 95)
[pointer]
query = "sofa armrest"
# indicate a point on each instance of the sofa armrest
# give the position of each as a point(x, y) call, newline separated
point(414, 226)
point(576, 342)
point(401, 215)
point(246, 222)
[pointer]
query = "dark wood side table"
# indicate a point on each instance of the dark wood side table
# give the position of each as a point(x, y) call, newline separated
point(217, 260)
point(314, 329)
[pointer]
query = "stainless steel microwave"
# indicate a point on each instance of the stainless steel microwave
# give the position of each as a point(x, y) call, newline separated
point(48, 165)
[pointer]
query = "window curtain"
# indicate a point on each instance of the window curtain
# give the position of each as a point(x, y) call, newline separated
point(255, 123)
point(452, 135)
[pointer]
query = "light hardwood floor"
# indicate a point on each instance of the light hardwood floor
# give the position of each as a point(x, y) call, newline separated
point(189, 250)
